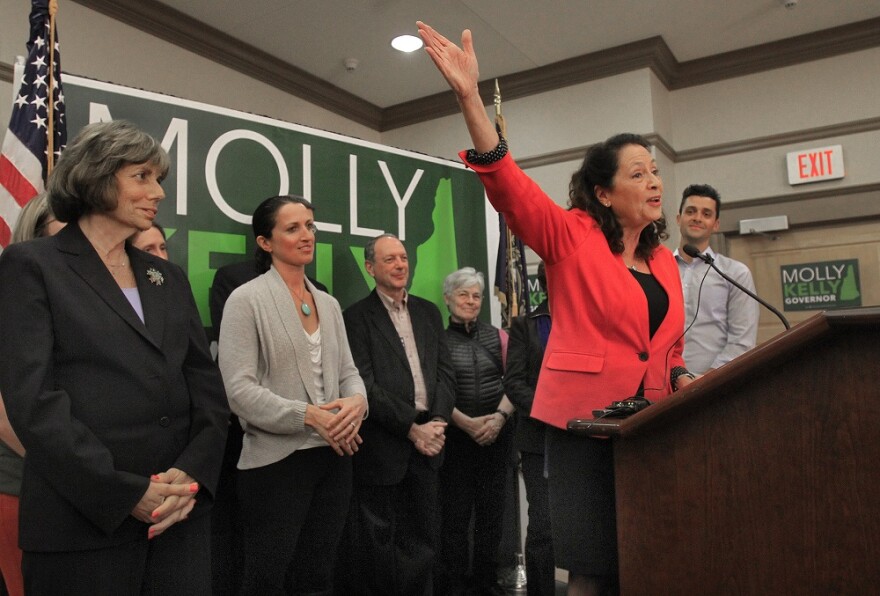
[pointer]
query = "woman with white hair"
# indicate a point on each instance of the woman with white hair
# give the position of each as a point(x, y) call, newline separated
point(478, 442)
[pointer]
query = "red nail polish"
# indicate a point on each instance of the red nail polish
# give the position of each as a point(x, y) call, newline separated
point(154, 514)
point(194, 487)
point(154, 477)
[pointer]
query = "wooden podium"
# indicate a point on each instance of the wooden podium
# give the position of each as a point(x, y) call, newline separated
point(763, 477)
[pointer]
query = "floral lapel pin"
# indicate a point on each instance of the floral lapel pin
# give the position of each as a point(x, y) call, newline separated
point(155, 276)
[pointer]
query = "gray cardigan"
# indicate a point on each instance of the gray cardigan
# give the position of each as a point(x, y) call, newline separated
point(267, 370)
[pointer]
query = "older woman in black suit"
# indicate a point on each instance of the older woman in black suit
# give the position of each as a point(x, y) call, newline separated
point(109, 384)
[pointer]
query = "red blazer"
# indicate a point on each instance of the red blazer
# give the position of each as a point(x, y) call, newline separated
point(599, 348)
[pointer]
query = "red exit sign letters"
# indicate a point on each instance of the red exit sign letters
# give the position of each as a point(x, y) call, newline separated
point(814, 165)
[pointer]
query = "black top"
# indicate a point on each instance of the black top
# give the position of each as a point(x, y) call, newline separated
point(476, 358)
point(658, 301)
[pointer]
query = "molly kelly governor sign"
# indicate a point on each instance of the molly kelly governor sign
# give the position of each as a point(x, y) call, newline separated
point(225, 162)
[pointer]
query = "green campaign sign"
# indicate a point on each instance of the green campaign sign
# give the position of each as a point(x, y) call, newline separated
point(821, 286)
point(225, 162)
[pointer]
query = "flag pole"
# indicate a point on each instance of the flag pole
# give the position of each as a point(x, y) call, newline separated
point(517, 579)
point(50, 129)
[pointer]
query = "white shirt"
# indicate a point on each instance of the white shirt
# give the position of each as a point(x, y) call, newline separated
point(726, 323)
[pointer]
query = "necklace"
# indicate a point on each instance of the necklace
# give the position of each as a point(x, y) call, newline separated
point(302, 303)
point(124, 263)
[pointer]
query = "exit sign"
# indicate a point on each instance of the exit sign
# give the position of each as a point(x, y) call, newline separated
point(813, 165)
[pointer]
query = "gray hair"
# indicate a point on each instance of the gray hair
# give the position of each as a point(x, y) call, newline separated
point(463, 278)
point(32, 219)
point(370, 248)
point(84, 180)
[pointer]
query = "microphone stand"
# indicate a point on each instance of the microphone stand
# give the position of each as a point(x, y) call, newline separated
point(692, 251)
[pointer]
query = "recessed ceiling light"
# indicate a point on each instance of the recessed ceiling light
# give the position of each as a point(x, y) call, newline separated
point(406, 43)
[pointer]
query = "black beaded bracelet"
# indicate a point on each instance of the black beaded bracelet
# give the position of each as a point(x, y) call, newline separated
point(490, 157)
point(679, 371)
point(503, 413)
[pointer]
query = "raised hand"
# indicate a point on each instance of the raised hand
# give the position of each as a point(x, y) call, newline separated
point(458, 65)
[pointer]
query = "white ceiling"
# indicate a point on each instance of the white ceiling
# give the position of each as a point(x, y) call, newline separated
point(510, 36)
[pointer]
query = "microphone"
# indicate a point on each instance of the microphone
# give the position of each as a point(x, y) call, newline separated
point(692, 251)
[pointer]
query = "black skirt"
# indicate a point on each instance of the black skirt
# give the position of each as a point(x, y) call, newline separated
point(583, 513)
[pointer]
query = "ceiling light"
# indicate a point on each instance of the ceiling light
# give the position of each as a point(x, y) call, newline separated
point(406, 43)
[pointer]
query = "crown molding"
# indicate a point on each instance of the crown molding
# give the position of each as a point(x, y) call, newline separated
point(777, 140)
point(720, 149)
point(179, 29)
point(650, 53)
point(830, 205)
point(777, 54)
point(6, 72)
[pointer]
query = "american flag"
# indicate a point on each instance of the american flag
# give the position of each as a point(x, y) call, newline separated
point(23, 159)
point(511, 276)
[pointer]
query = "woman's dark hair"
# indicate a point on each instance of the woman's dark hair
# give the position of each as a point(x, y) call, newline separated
point(84, 180)
point(598, 169)
point(263, 222)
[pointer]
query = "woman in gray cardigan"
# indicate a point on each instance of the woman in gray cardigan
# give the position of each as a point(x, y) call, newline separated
point(291, 380)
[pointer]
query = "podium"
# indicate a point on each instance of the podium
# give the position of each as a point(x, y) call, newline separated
point(763, 476)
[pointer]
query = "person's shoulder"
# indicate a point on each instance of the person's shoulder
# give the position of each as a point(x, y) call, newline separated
point(488, 327)
point(361, 305)
point(249, 290)
point(663, 251)
point(27, 250)
point(237, 273)
point(421, 302)
point(728, 260)
point(731, 266)
point(322, 295)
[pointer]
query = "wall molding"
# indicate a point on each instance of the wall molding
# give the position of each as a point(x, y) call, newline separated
point(190, 34)
point(826, 206)
point(6, 72)
point(720, 149)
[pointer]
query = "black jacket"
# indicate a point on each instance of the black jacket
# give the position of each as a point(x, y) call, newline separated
point(476, 358)
point(99, 399)
point(524, 356)
point(383, 457)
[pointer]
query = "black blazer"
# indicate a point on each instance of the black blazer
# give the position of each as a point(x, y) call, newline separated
point(100, 400)
point(379, 355)
point(524, 356)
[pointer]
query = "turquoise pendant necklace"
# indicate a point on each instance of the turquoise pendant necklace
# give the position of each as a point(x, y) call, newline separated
point(306, 310)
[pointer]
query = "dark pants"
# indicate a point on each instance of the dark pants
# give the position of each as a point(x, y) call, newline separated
point(392, 536)
point(225, 538)
point(292, 513)
point(540, 568)
point(472, 483)
point(178, 561)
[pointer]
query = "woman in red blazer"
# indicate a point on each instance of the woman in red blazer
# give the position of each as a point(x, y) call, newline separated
point(617, 305)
